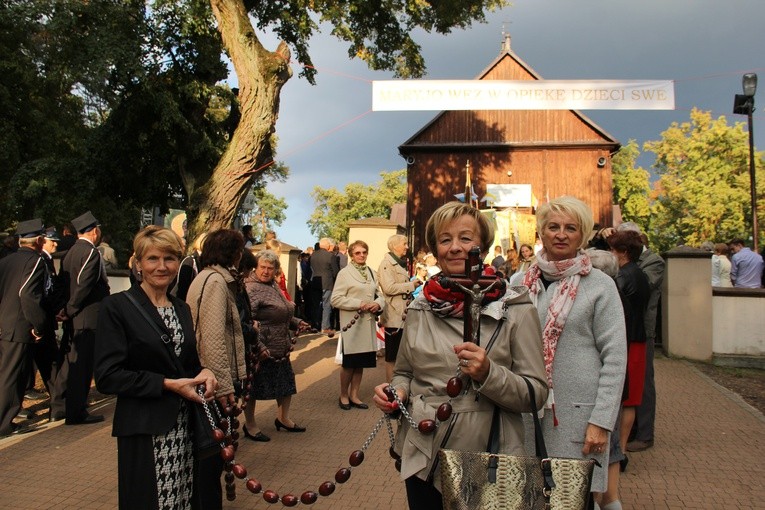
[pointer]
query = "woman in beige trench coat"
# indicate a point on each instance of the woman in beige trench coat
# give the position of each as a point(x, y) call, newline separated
point(355, 295)
point(432, 350)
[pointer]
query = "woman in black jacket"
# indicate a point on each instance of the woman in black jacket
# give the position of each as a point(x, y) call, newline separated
point(153, 377)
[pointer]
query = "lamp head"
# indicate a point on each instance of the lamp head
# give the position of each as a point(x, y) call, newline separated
point(749, 82)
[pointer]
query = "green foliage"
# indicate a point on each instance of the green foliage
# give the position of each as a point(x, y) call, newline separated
point(378, 32)
point(334, 209)
point(703, 189)
point(631, 186)
point(109, 106)
point(269, 211)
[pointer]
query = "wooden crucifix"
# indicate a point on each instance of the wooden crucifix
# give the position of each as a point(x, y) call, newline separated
point(475, 288)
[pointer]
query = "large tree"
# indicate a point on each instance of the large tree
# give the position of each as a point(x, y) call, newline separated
point(702, 193)
point(631, 186)
point(334, 208)
point(380, 33)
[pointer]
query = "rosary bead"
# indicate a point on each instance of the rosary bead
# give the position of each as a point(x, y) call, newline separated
point(271, 497)
point(356, 458)
point(353, 321)
point(237, 412)
point(240, 471)
point(223, 425)
point(235, 423)
point(342, 475)
point(289, 500)
point(326, 488)
point(228, 411)
point(228, 466)
point(227, 453)
point(229, 478)
point(356, 316)
point(235, 435)
point(345, 328)
point(309, 498)
point(230, 496)
point(454, 387)
point(444, 411)
point(254, 486)
point(218, 435)
point(426, 426)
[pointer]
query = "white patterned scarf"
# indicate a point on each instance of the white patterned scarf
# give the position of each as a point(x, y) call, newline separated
point(568, 272)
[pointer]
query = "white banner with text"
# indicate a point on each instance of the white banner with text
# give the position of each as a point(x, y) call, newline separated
point(412, 95)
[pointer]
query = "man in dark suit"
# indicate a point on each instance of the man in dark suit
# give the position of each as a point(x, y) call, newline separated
point(48, 356)
point(324, 268)
point(87, 284)
point(22, 319)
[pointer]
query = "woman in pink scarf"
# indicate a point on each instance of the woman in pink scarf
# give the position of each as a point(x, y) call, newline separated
point(583, 337)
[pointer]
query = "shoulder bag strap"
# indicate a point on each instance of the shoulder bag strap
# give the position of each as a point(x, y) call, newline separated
point(163, 336)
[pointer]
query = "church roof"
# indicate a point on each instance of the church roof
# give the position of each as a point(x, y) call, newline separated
point(507, 63)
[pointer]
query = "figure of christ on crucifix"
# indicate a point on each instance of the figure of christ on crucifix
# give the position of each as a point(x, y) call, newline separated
point(475, 288)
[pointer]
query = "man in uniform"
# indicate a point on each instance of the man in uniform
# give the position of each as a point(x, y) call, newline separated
point(85, 278)
point(22, 319)
point(48, 356)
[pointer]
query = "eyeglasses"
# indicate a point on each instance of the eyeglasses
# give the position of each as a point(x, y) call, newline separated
point(359, 252)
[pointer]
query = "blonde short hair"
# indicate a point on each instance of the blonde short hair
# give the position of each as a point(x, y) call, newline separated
point(570, 206)
point(161, 238)
point(449, 212)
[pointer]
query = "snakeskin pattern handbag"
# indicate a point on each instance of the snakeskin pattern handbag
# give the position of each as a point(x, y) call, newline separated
point(495, 481)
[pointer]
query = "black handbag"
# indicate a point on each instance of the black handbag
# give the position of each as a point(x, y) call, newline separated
point(201, 425)
point(495, 481)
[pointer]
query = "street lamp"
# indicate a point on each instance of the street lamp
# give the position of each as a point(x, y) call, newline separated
point(744, 105)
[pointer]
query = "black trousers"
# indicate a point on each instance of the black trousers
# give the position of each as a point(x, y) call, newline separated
point(76, 374)
point(15, 367)
point(208, 493)
point(422, 495)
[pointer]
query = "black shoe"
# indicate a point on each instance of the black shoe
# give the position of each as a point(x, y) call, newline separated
point(87, 420)
point(25, 414)
point(56, 417)
point(623, 464)
point(359, 405)
point(260, 436)
point(17, 430)
point(35, 395)
point(344, 407)
point(279, 425)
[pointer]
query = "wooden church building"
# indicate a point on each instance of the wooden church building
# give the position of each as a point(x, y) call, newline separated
point(553, 152)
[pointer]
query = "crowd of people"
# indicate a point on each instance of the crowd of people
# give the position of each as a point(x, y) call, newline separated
point(574, 316)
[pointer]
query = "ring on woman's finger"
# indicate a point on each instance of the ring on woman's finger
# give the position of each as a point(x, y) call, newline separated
point(464, 363)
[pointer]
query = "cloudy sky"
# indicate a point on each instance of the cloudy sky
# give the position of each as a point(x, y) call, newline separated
point(329, 137)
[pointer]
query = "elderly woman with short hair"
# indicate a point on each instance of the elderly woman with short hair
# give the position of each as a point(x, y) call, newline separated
point(154, 381)
point(583, 337)
point(397, 289)
point(355, 295)
point(432, 348)
point(273, 317)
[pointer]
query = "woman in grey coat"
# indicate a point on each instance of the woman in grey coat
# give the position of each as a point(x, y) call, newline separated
point(583, 337)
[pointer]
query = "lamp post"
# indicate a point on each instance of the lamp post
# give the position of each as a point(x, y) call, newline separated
point(744, 105)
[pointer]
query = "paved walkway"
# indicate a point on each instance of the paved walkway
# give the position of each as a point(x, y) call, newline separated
point(708, 453)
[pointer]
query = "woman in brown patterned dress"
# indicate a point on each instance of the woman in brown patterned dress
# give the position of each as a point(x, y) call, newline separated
point(273, 316)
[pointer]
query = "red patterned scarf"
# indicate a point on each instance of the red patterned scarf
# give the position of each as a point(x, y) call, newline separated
point(568, 272)
point(448, 303)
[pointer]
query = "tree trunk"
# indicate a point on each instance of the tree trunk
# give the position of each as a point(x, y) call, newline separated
point(261, 74)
